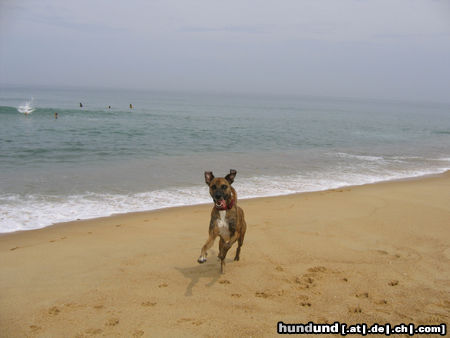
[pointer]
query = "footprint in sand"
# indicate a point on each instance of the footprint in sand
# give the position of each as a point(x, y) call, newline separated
point(435, 319)
point(235, 295)
point(384, 252)
point(393, 283)
point(308, 280)
point(163, 285)
point(73, 305)
point(317, 269)
point(118, 225)
point(54, 311)
point(138, 333)
point(355, 309)
point(323, 320)
point(148, 303)
point(35, 328)
point(362, 295)
point(15, 248)
point(182, 320)
point(279, 268)
point(381, 302)
point(224, 281)
point(305, 282)
point(262, 294)
point(112, 322)
point(98, 306)
point(304, 300)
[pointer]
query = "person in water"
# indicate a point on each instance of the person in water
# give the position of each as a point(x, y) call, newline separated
point(81, 105)
point(131, 106)
point(56, 116)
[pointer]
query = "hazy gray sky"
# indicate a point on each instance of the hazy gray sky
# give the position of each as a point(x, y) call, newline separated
point(355, 48)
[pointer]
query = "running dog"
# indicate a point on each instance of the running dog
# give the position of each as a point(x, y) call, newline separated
point(227, 219)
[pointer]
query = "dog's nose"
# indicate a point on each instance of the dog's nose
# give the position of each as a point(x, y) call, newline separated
point(217, 196)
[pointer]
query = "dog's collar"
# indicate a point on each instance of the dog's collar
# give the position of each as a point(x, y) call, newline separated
point(228, 207)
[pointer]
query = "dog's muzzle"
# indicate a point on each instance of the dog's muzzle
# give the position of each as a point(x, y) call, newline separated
point(221, 204)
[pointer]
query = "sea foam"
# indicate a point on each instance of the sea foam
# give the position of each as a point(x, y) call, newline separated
point(26, 108)
point(36, 211)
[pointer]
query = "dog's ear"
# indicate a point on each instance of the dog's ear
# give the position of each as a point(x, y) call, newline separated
point(208, 177)
point(230, 177)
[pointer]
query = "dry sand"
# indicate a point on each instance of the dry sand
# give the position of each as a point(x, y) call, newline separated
point(375, 253)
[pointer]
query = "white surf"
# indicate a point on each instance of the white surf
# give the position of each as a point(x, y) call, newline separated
point(26, 108)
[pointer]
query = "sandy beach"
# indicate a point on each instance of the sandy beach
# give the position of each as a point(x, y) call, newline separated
point(375, 254)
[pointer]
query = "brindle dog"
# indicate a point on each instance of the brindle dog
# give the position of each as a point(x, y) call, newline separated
point(227, 219)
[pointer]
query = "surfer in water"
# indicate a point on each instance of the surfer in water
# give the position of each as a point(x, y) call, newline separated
point(81, 105)
point(131, 106)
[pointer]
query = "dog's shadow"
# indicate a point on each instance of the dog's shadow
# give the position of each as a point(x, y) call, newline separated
point(208, 270)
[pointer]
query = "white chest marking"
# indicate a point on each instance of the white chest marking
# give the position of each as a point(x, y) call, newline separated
point(222, 224)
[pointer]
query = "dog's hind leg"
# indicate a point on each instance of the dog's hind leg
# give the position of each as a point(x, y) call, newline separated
point(240, 242)
point(221, 243)
point(206, 247)
point(238, 250)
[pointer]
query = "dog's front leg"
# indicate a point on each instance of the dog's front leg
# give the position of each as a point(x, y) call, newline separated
point(227, 245)
point(207, 246)
point(222, 254)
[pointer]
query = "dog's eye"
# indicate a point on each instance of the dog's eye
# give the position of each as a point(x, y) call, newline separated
point(223, 186)
point(213, 187)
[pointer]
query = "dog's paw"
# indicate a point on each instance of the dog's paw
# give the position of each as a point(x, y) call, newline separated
point(201, 259)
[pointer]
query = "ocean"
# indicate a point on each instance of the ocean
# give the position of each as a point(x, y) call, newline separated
point(97, 161)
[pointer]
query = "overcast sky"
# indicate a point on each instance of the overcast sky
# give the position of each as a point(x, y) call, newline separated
point(365, 48)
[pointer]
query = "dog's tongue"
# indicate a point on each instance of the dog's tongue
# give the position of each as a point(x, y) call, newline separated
point(223, 204)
